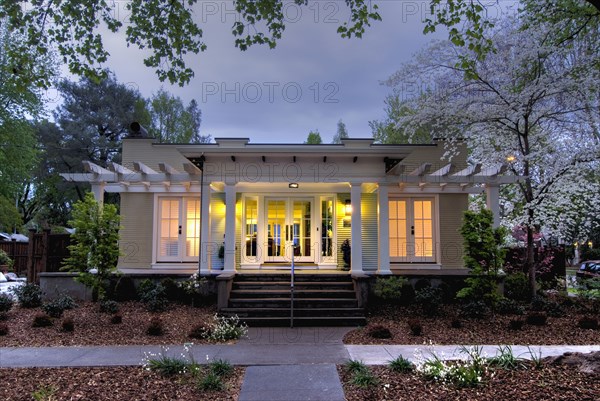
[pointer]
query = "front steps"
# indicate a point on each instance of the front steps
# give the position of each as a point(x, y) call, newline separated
point(319, 300)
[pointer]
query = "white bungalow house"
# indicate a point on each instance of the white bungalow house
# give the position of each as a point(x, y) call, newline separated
point(400, 206)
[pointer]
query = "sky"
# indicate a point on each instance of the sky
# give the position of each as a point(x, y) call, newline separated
point(311, 80)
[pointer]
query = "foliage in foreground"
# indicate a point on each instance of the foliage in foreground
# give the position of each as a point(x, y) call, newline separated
point(29, 295)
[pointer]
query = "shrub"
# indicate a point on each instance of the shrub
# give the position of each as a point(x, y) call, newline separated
point(475, 310)
point(516, 324)
point(537, 318)
point(3, 329)
point(153, 295)
point(415, 327)
point(401, 365)
point(429, 299)
point(461, 373)
point(155, 328)
point(117, 318)
point(68, 325)
point(364, 379)
point(456, 324)
point(516, 287)
point(210, 382)
point(109, 306)
point(506, 306)
point(172, 290)
point(542, 304)
point(200, 331)
point(390, 288)
point(166, 365)
point(354, 366)
point(588, 323)
point(379, 331)
point(41, 320)
point(226, 328)
point(56, 307)
point(29, 295)
point(6, 303)
point(220, 368)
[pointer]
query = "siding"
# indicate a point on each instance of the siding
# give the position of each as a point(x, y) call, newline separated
point(137, 212)
point(369, 231)
point(452, 207)
point(343, 233)
point(217, 222)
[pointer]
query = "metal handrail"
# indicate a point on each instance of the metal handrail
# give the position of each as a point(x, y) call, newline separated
point(292, 290)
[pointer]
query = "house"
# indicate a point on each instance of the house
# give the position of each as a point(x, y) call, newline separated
point(234, 206)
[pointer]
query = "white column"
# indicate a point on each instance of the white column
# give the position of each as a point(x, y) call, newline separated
point(356, 232)
point(98, 191)
point(492, 200)
point(384, 230)
point(206, 247)
point(229, 262)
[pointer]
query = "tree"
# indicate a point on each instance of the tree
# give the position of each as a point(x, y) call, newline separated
point(166, 28)
point(94, 251)
point(390, 130)
point(528, 105)
point(314, 138)
point(172, 122)
point(341, 133)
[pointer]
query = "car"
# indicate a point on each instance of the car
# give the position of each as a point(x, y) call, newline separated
point(589, 268)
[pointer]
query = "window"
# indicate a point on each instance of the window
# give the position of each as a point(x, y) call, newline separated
point(179, 229)
point(411, 227)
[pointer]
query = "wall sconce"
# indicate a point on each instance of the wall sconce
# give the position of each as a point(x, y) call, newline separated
point(348, 208)
point(293, 185)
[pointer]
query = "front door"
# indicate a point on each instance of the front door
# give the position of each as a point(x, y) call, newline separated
point(289, 229)
point(412, 231)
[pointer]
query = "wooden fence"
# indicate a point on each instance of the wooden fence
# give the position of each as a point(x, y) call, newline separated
point(44, 252)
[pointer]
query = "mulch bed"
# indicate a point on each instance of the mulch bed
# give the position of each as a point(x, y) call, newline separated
point(491, 330)
point(121, 383)
point(95, 328)
point(548, 383)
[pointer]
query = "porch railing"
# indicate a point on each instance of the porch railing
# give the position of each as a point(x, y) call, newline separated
point(292, 271)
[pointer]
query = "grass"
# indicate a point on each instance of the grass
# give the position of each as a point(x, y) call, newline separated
point(401, 365)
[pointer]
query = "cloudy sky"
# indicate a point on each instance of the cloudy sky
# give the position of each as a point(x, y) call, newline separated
point(312, 79)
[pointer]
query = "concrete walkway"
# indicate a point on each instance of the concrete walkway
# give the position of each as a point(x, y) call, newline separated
point(283, 364)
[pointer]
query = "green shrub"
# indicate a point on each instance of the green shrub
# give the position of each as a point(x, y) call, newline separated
point(29, 295)
point(153, 295)
point(173, 291)
point(109, 306)
point(155, 328)
point(505, 359)
point(354, 366)
point(390, 288)
point(166, 365)
point(6, 302)
point(226, 328)
point(41, 320)
point(429, 299)
point(379, 331)
point(542, 304)
point(55, 308)
point(401, 365)
point(210, 382)
point(506, 306)
point(364, 379)
point(220, 368)
point(516, 287)
point(475, 310)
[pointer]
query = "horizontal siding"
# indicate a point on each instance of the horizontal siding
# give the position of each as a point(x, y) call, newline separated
point(135, 243)
point(369, 231)
point(452, 208)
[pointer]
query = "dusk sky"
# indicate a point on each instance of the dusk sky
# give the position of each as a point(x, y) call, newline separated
point(309, 81)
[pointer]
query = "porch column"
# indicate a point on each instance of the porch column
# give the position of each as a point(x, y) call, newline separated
point(206, 247)
point(98, 191)
point(229, 262)
point(384, 230)
point(356, 231)
point(492, 200)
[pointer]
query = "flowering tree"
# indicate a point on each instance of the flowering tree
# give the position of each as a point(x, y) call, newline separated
point(533, 103)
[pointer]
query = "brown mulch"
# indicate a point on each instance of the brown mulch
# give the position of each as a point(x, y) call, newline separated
point(115, 383)
point(95, 328)
point(491, 330)
point(547, 383)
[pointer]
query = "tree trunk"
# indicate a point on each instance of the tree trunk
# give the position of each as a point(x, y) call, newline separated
point(530, 260)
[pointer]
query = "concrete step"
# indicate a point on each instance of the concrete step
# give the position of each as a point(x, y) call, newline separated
point(298, 277)
point(304, 321)
point(298, 303)
point(298, 293)
point(298, 312)
point(281, 285)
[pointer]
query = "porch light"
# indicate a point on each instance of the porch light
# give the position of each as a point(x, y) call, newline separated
point(348, 208)
point(590, 244)
point(293, 185)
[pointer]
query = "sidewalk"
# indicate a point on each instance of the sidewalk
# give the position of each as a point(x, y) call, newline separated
point(283, 364)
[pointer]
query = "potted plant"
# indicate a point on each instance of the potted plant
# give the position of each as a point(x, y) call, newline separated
point(346, 253)
point(6, 262)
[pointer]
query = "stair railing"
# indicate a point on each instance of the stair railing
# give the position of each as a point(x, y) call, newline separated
point(292, 271)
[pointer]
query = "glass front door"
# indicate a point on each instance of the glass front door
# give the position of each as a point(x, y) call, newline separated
point(411, 230)
point(289, 230)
